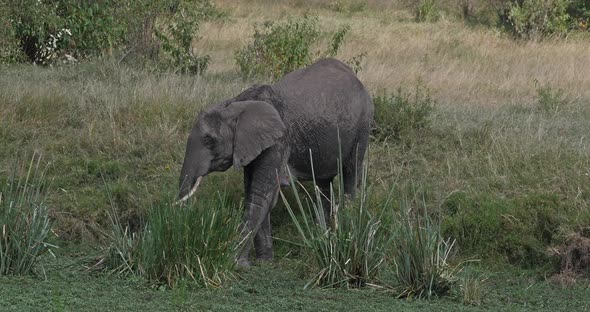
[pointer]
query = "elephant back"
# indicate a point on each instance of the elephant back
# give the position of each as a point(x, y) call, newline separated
point(322, 101)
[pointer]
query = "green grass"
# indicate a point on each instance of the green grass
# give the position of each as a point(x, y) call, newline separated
point(420, 255)
point(193, 242)
point(473, 287)
point(264, 288)
point(24, 219)
point(98, 122)
point(347, 246)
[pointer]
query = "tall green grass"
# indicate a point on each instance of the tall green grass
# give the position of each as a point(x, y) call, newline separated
point(352, 246)
point(194, 242)
point(420, 255)
point(347, 248)
point(473, 288)
point(24, 218)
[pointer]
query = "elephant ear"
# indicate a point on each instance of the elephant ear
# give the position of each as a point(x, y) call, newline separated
point(258, 127)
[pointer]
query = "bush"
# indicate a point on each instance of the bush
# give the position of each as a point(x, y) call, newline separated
point(46, 31)
point(398, 115)
point(516, 231)
point(534, 19)
point(92, 27)
point(525, 19)
point(579, 10)
point(279, 48)
point(427, 11)
point(177, 35)
point(24, 220)
point(195, 242)
point(9, 49)
point(549, 99)
point(420, 255)
point(348, 7)
point(37, 28)
point(346, 250)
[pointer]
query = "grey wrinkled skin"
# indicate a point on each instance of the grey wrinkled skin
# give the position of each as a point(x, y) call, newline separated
point(268, 128)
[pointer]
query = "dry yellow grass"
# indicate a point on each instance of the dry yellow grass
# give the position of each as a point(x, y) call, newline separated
point(462, 65)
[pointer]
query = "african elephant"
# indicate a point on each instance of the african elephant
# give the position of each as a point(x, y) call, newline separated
point(266, 129)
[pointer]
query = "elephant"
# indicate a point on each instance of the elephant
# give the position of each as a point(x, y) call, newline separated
point(310, 116)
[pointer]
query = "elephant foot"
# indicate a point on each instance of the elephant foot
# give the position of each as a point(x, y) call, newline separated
point(243, 263)
point(264, 253)
point(264, 259)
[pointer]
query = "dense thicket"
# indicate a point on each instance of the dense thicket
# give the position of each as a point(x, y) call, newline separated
point(524, 19)
point(43, 32)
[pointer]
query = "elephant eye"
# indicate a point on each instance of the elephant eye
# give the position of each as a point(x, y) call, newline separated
point(209, 140)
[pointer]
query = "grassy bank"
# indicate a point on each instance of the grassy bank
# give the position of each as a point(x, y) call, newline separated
point(265, 288)
point(102, 126)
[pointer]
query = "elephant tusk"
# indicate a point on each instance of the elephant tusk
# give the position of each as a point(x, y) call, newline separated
point(193, 190)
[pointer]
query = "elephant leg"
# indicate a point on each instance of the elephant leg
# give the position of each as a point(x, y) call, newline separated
point(262, 189)
point(263, 240)
point(350, 181)
point(242, 257)
point(256, 224)
point(353, 169)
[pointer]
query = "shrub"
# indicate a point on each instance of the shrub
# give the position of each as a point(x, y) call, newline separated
point(400, 114)
point(48, 30)
point(279, 48)
point(337, 40)
point(534, 19)
point(92, 27)
point(579, 10)
point(549, 99)
point(346, 250)
point(427, 11)
point(356, 62)
point(420, 255)
point(195, 242)
point(170, 27)
point(38, 29)
point(516, 231)
point(9, 49)
point(349, 7)
point(530, 19)
point(24, 219)
point(177, 35)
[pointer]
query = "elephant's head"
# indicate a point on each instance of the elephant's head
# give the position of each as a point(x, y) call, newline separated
point(229, 133)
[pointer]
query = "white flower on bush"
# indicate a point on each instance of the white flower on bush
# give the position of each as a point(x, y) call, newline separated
point(49, 49)
point(64, 31)
point(52, 41)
